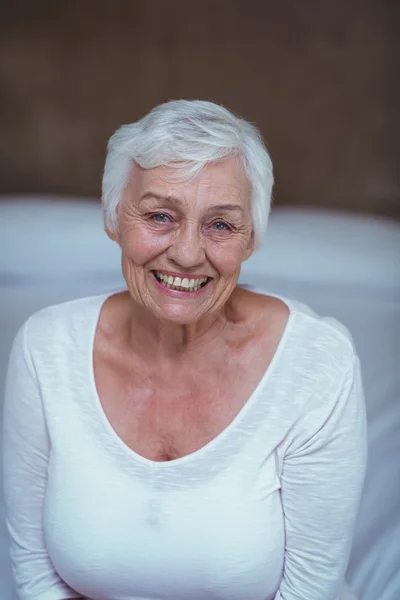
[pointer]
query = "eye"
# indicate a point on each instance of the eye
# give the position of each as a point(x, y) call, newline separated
point(220, 226)
point(160, 218)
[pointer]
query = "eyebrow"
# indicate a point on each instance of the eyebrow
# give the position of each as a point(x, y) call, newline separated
point(176, 201)
point(154, 196)
point(231, 207)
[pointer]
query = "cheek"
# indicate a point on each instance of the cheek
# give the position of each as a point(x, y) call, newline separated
point(140, 245)
point(227, 258)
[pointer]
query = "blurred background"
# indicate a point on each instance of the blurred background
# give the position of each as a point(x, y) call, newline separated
point(321, 80)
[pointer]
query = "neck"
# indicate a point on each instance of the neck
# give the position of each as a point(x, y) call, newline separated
point(166, 342)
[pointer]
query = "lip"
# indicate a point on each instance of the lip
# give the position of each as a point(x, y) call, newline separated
point(183, 275)
point(178, 293)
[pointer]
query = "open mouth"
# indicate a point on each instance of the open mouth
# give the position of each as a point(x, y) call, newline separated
point(181, 284)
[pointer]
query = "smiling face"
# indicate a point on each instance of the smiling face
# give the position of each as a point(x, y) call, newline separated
point(183, 242)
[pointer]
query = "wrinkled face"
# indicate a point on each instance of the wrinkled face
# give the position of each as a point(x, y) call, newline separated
point(183, 242)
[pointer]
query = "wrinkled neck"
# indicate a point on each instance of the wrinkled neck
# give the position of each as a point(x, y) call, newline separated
point(159, 340)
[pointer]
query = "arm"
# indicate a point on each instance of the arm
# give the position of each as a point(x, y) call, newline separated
point(322, 477)
point(26, 448)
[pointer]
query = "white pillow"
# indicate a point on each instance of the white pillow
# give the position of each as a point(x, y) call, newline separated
point(61, 236)
point(320, 246)
point(54, 235)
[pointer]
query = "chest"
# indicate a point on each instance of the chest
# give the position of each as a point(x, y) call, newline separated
point(164, 418)
point(188, 534)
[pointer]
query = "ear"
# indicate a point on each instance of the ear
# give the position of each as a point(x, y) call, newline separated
point(111, 234)
point(250, 248)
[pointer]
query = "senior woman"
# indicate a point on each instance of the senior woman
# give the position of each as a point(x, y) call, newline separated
point(183, 438)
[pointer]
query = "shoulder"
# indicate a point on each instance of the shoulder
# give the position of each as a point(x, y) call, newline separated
point(312, 331)
point(324, 364)
point(323, 327)
point(60, 326)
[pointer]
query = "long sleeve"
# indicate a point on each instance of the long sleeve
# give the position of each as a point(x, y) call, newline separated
point(322, 478)
point(25, 455)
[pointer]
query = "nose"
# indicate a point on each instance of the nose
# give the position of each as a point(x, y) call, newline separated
point(187, 249)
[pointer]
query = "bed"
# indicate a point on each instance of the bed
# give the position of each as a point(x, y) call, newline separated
point(343, 265)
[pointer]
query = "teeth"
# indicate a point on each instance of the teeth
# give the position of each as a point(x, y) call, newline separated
point(184, 284)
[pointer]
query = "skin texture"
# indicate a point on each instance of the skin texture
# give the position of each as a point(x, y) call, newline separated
point(180, 228)
point(173, 369)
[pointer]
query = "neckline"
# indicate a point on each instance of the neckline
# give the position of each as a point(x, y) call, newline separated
point(220, 437)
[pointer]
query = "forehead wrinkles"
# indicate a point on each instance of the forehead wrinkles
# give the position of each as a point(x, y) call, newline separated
point(207, 190)
point(216, 184)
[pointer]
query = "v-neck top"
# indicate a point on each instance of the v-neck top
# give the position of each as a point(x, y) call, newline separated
point(263, 511)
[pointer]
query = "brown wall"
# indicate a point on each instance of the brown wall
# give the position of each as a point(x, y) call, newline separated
point(318, 76)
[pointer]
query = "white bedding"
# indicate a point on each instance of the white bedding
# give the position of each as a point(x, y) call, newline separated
point(344, 266)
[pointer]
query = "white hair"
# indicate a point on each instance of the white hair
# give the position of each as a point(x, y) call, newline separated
point(188, 134)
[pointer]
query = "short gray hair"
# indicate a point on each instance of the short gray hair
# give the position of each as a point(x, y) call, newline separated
point(189, 134)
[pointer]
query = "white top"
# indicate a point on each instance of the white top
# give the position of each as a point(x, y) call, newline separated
point(264, 511)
